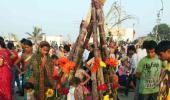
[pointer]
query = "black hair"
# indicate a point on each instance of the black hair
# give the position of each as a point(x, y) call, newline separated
point(23, 40)
point(10, 45)
point(149, 44)
point(92, 45)
point(163, 46)
point(2, 44)
point(144, 44)
point(54, 56)
point(28, 42)
point(28, 85)
point(76, 80)
point(67, 48)
point(131, 47)
point(1, 38)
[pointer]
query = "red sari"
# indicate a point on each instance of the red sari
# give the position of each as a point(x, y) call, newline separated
point(5, 75)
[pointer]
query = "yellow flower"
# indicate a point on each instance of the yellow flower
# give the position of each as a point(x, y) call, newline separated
point(106, 97)
point(168, 97)
point(102, 64)
point(49, 93)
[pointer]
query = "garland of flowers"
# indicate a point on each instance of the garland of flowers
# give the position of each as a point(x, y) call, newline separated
point(66, 65)
point(111, 62)
point(95, 65)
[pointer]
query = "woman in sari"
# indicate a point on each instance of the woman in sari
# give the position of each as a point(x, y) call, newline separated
point(5, 72)
point(42, 72)
point(26, 69)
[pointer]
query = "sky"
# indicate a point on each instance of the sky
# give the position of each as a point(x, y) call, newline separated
point(63, 17)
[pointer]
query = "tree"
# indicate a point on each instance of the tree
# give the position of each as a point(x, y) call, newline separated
point(36, 36)
point(163, 31)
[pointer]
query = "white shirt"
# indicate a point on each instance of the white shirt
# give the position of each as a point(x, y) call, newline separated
point(70, 95)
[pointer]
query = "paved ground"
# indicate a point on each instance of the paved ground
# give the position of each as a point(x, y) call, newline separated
point(16, 97)
point(130, 96)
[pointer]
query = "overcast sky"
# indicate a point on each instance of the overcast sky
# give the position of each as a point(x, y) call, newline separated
point(58, 17)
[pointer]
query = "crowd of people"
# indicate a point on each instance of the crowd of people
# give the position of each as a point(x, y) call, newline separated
point(36, 73)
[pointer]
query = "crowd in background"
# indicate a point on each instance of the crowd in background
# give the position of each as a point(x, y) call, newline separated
point(144, 69)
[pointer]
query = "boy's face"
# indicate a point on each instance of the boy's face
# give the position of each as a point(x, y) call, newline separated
point(151, 53)
point(131, 52)
point(164, 55)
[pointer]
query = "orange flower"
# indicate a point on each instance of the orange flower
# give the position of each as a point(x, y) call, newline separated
point(111, 62)
point(71, 65)
point(95, 65)
point(62, 61)
point(66, 69)
point(68, 66)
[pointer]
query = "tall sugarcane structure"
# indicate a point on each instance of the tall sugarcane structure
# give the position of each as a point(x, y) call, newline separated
point(95, 27)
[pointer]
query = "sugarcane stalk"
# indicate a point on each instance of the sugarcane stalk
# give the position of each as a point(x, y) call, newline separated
point(95, 37)
point(100, 18)
point(79, 42)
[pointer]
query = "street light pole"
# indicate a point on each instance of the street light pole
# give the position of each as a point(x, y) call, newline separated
point(158, 20)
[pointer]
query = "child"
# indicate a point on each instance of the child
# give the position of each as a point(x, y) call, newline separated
point(29, 89)
point(125, 78)
point(163, 50)
point(148, 73)
point(78, 92)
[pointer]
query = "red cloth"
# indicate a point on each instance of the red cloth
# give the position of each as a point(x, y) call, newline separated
point(15, 56)
point(5, 76)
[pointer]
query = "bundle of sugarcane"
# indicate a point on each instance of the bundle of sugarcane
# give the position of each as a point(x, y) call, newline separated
point(95, 27)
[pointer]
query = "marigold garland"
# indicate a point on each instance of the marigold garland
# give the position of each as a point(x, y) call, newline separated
point(66, 65)
point(95, 65)
point(62, 61)
point(111, 62)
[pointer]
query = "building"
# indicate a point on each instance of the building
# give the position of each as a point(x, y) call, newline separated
point(57, 39)
point(123, 34)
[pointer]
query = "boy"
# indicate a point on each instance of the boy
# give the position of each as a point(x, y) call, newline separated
point(163, 50)
point(148, 73)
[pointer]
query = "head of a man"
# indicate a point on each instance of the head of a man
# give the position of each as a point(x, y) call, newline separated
point(163, 50)
point(150, 47)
